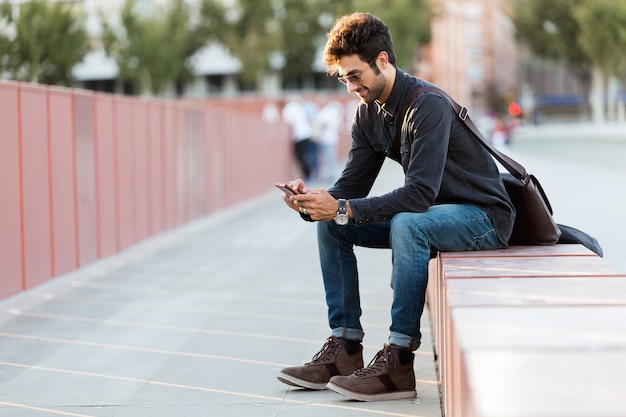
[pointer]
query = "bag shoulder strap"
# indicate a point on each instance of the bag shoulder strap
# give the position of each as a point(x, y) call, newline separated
point(516, 169)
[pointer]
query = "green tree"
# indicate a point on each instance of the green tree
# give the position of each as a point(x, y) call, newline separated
point(588, 35)
point(602, 35)
point(409, 24)
point(408, 20)
point(301, 35)
point(550, 31)
point(46, 41)
point(603, 38)
point(153, 49)
point(251, 32)
point(290, 34)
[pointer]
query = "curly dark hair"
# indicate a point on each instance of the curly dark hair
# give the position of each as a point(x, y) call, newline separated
point(357, 33)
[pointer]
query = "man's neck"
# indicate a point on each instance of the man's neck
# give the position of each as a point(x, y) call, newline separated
point(390, 74)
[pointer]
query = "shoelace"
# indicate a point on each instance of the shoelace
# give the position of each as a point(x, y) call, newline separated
point(378, 363)
point(326, 353)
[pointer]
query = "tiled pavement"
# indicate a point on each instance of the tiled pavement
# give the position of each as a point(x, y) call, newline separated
point(194, 322)
point(198, 321)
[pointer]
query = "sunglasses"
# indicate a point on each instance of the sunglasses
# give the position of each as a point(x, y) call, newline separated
point(355, 78)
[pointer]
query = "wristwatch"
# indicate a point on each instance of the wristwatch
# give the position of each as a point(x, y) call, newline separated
point(341, 218)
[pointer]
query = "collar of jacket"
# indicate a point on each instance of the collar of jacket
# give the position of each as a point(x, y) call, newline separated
point(393, 105)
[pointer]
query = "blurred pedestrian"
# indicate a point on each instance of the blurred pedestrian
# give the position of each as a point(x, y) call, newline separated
point(295, 114)
point(328, 124)
point(500, 134)
point(312, 109)
point(271, 114)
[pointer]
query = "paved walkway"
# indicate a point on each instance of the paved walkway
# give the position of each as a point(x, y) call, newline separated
point(198, 321)
point(194, 322)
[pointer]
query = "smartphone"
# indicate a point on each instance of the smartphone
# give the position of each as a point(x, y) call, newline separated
point(286, 189)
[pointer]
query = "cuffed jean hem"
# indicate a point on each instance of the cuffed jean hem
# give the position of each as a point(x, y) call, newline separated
point(348, 334)
point(403, 341)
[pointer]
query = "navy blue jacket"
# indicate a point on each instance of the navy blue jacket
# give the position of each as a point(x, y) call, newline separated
point(442, 161)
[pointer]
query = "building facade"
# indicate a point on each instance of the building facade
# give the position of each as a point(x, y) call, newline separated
point(473, 54)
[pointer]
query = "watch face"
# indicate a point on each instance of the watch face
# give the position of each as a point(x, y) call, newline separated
point(342, 219)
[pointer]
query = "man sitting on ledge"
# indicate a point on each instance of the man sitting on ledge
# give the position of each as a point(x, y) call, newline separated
point(452, 199)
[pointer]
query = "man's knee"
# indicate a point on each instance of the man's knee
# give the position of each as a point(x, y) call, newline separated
point(407, 227)
point(409, 221)
point(401, 220)
point(324, 227)
point(327, 230)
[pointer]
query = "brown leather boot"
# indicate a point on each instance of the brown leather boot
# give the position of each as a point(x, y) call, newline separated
point(331, 360)
point(385, 378)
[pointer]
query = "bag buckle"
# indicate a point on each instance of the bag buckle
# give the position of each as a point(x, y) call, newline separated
point(463, 113)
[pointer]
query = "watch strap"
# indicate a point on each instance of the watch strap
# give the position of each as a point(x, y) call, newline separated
point(343, 206)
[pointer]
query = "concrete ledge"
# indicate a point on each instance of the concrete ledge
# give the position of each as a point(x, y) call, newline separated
point(529, 332)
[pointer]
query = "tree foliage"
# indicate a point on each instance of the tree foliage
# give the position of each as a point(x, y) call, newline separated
point(409, 23)
point(301, 35)
point(41, 41)
point(152, 48)
point(584, 33)
point(290, 34)
point(152, 45)
point(250, 30)
point(588, 35)
point(602, 35)
point(550, 30)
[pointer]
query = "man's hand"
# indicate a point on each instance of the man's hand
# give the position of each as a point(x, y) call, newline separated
point(300, 188)
point(318, 204)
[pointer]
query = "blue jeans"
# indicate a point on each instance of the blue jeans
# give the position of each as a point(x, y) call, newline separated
point(412, 237)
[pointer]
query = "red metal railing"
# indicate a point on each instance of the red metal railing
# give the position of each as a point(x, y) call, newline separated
point(84, 175)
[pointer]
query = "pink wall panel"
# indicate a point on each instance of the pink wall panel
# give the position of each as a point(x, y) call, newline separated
point(85, 175)
point(35, 186)
point(254, 160)
point(106, 197)
point(182, 168)
point(11, 272)
point(62, 182)
point(155, 167)
point(224, 164)
point(179, 155)
point(169, 166)
point(142, 212)
point(238, 142)
point(196, 164)
point(233, 164)
point(265, 162)
point(211, 134)
point(85, 178)
point(249, 185)
point(124, 156)
point(182, 151)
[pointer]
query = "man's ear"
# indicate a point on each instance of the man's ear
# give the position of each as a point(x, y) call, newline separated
point(383, 59)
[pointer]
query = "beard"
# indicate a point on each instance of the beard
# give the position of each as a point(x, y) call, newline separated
point(373, 92)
